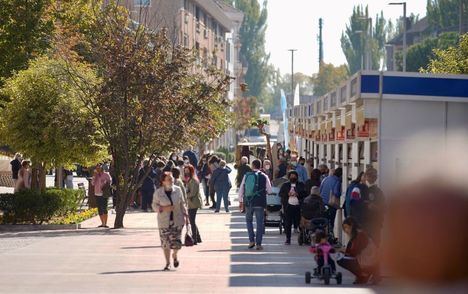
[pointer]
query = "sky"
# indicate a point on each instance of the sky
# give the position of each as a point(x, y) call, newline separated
point(294, 24)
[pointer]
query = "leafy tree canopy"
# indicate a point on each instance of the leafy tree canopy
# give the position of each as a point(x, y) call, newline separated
point(452, 60)
point(45, 119)
point(328, 78)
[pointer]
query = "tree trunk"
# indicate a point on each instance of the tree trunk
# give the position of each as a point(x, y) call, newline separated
point(59, 177)
point(38, 177)
point(122, 202)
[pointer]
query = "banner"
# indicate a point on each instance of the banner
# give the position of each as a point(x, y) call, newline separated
point(284, 108)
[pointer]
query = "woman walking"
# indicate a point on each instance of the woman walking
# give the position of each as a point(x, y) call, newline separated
point(194, 201)
point(168, 202)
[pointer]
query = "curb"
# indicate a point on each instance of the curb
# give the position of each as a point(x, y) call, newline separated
point(25, 228)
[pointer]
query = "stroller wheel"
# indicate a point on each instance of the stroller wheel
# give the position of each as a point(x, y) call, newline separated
point(308, 277)
point(339, 278)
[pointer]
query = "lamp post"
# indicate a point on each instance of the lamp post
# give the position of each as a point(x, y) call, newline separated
point(404, 31)
point(361, 33)
point(292, 70)
point(368, 43)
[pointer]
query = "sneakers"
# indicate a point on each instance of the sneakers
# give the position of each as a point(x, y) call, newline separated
point(259, 247)
point(251, 245)
point(287, 243)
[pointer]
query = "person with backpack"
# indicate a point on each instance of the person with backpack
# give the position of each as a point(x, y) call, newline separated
point(252, 196)
point(292, 193)
point(356, 191)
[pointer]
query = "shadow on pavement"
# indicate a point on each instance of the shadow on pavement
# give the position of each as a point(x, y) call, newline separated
point(131, 272)
point(141, 247)
point(65, 233)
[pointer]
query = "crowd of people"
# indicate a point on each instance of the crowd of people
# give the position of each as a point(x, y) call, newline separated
point(307, 193)
point(171, 187)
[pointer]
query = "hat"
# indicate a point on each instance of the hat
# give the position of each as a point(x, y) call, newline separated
point(315, 190)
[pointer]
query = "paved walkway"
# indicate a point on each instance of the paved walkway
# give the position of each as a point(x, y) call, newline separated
point(130, 261)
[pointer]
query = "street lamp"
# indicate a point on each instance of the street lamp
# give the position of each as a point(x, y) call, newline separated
point(368, 42)
point(362, 54)
point(404, 30)
point(292, 70)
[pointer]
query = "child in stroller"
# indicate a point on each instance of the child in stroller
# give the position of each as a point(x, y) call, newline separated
point(326, 267)
point(312, 208)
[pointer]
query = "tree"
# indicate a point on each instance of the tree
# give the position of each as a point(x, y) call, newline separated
point(25, 29)
point(355, 41)
point(443, 15)
point(153, 98)
point(252, 38)
point(420, 54)
point(328, 78)
point(452, 60)
point(45, 120)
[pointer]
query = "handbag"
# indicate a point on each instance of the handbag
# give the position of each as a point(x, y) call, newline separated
point(188, 242)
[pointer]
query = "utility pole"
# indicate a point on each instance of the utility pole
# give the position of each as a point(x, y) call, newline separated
point(292, 70)
point(404, 31)
point(320, 42)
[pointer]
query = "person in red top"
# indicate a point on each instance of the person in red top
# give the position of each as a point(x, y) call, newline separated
point(357, 243)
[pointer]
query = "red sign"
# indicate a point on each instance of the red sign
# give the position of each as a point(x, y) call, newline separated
point(351, 133)
point(340, 135)
point(363, 131)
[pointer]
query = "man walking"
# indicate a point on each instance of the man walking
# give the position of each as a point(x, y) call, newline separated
point(253, 191)
point(331, 189)
point(15, 167)
point(292, 193)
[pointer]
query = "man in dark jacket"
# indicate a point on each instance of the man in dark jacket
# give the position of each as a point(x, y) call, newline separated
point(292, 194)
point(191, 156)
point(147, 174)
point(15, 167)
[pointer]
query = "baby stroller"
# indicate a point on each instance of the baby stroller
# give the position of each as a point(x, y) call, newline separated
point(273, 214)
point(312, 208)
point(326, 269)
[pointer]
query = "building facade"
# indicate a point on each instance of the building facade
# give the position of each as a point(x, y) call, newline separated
point(211, 27)
point(367, 120)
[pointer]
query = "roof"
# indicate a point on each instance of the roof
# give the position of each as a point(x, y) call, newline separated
point(417, 28)
point(234, 14)
point(213, 9)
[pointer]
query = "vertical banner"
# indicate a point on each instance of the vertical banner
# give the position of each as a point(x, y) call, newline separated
point(284, 107)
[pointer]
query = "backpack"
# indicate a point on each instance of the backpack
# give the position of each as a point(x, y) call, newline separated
point(251, 186)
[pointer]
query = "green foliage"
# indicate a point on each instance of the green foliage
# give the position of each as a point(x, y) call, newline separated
point(45, 119)
point(452, 60)
point(74, 217)
point(420, 54)
point(32, 206)
point(152, 97)
point(328, 78)
point(252, 38)
point(444, 14)
point(224, 154)
point(354, 44)
point(25, 30)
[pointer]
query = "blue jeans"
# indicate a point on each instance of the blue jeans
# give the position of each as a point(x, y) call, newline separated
point(222, 194)
point(259, 216)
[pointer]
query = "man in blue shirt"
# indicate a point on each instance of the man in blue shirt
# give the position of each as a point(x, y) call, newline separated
point(331, 185)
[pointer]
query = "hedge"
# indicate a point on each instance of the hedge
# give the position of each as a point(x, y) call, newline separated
point(36, 207)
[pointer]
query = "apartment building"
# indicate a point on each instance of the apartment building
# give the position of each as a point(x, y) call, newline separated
point(210, 26)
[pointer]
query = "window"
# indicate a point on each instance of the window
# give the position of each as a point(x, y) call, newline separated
point(186, 5)
point(186, 41)
point(197, 13)
point(142, 3)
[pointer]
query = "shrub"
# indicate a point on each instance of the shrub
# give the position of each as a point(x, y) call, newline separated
point(32, 206)
point(75, 217)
